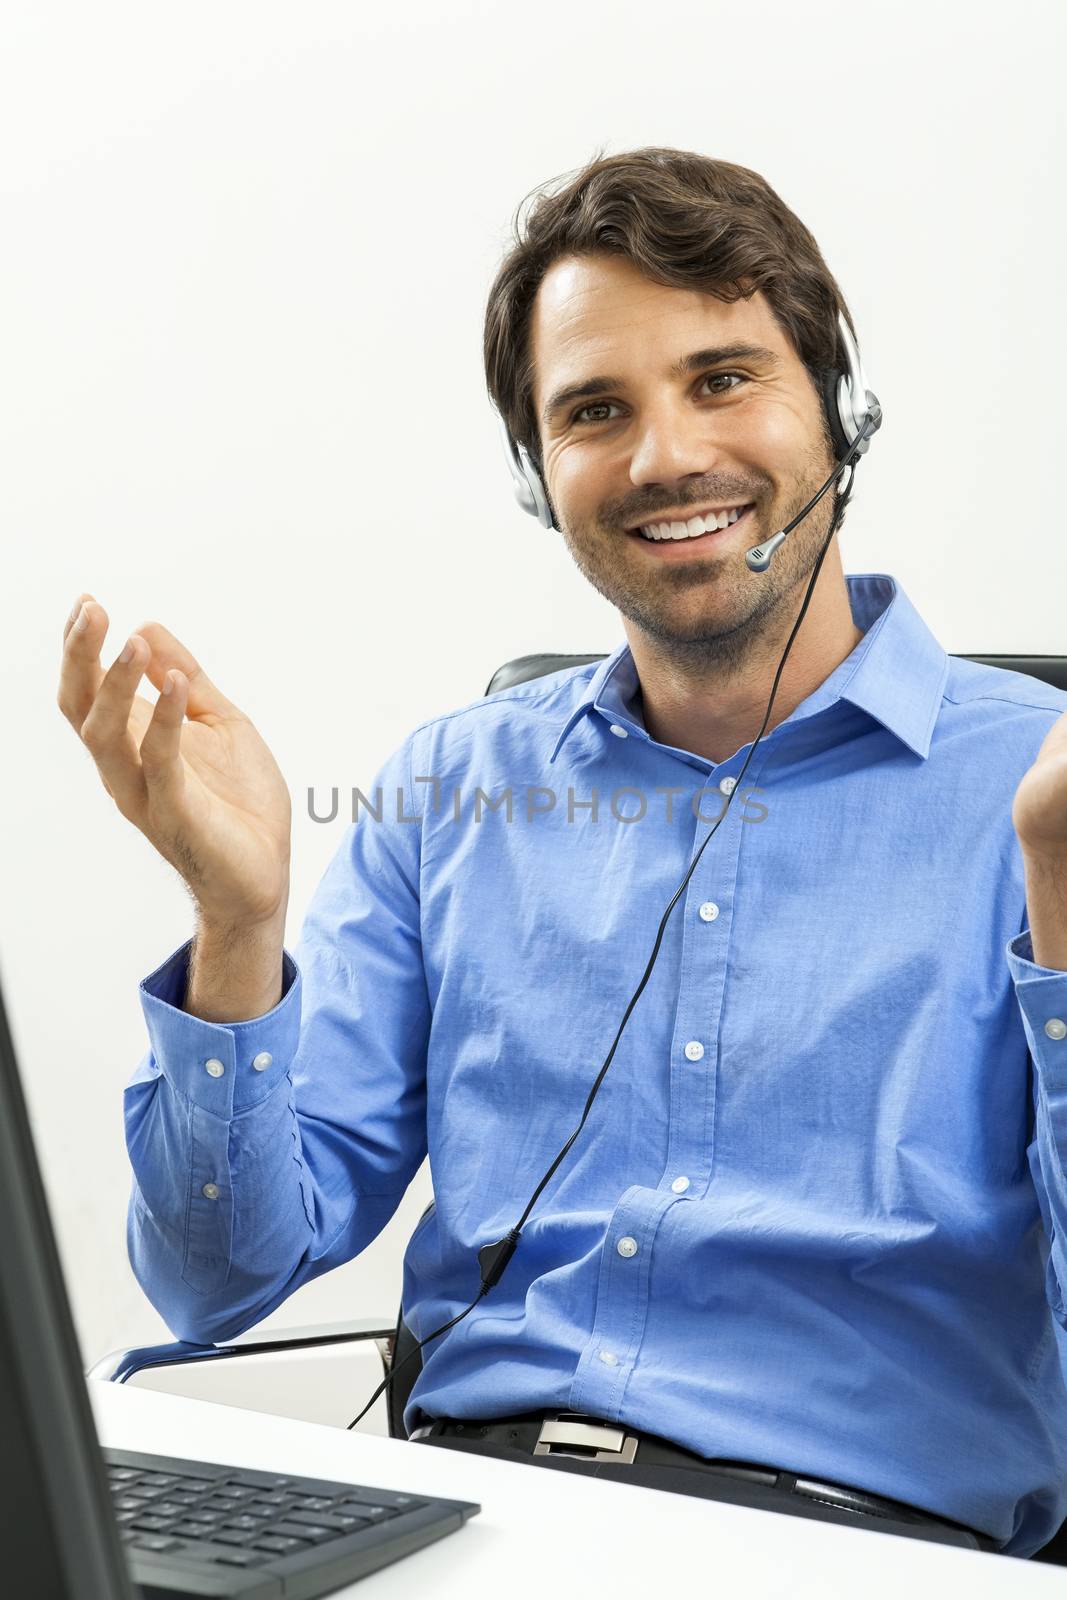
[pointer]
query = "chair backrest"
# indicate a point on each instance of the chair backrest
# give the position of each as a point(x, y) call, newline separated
point(1049, 669)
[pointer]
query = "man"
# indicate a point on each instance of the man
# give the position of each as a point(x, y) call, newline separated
point(807, 1249)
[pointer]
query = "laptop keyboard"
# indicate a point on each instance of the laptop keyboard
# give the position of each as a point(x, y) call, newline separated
point(238, 1518)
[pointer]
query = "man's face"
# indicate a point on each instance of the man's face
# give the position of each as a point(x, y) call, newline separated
point(656, 445)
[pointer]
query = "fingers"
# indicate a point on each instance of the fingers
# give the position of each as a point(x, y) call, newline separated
point(204, 697)
point(80, 673)
point(101, 707)
point(105, 730)
point(162, 769)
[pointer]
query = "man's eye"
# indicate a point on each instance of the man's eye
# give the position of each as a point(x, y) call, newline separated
point(712, 377)
point(599, 405)
point(594, 405)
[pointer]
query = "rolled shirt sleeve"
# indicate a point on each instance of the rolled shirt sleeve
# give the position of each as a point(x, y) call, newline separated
point(266, 1152)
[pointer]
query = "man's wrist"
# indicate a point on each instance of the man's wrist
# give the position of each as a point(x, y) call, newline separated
point(1046, 904)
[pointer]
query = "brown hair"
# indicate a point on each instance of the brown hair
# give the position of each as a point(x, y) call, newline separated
point(683, 219)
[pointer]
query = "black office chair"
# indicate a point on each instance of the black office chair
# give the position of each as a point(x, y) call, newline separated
point(395, 1344)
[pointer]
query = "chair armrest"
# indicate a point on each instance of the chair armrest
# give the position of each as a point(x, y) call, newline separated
point(118, 1365)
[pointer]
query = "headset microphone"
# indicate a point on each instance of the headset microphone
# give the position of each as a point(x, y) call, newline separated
point(854, 416)
point(758, 559)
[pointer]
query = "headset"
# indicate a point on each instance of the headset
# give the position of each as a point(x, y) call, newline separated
point(854, 415)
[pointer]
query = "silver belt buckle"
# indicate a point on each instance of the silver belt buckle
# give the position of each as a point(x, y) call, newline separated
point(607, 1442)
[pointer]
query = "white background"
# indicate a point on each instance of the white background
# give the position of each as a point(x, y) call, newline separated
point(246, 249)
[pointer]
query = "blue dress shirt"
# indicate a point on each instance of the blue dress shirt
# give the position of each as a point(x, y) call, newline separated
point(817, 1215)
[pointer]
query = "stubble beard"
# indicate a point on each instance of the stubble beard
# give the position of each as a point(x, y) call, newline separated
point(712, 613)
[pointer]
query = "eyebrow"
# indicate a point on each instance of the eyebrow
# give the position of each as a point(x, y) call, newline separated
point(589, 388)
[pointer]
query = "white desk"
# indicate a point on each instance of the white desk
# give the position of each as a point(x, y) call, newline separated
point(545, 1532)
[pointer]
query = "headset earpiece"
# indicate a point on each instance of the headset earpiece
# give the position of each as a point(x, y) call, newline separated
point(529, 490)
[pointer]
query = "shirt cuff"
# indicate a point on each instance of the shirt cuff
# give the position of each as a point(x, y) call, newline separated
point(253, 1055)
point(1042, 996)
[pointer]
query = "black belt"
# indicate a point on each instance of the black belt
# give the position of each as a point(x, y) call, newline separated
point(574, 1434)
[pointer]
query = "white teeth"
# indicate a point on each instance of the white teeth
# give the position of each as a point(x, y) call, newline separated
point(693, 528)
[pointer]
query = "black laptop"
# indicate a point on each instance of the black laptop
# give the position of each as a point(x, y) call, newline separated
point(85, 1523)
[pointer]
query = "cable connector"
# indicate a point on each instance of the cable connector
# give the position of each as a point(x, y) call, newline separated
point(493, 1258)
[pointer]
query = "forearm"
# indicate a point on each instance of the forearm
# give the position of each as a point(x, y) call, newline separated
point(1046, 903)
point(235, 973)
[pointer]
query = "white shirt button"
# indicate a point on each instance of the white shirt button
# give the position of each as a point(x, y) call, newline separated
point(211, 1190)
point(709, 911)
point(215, 1067)
point(1055, 1028)
point(609, 1358)
point(262, 1061)
point(694, 1049)
point(620, 733)
point(680, 1185)
point(627, 1246)
point(727, 785)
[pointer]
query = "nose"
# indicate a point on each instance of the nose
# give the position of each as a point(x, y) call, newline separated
point(673, 442)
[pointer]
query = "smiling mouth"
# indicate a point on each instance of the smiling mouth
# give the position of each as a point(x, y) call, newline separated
point(687, 539)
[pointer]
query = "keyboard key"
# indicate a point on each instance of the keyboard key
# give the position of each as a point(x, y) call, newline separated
point(240, 1558)
point(155, 1541)
point(189, 1530)
point(238, 1536)
point(200, 1550)
point(150, 1524)
point(245, 1524)
point(339, 1522)
point(383, 1497)
point(367, 1512)
point(277, 1545)
point(310, 1531)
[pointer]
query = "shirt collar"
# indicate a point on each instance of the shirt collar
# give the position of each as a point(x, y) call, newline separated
point(896, 672)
